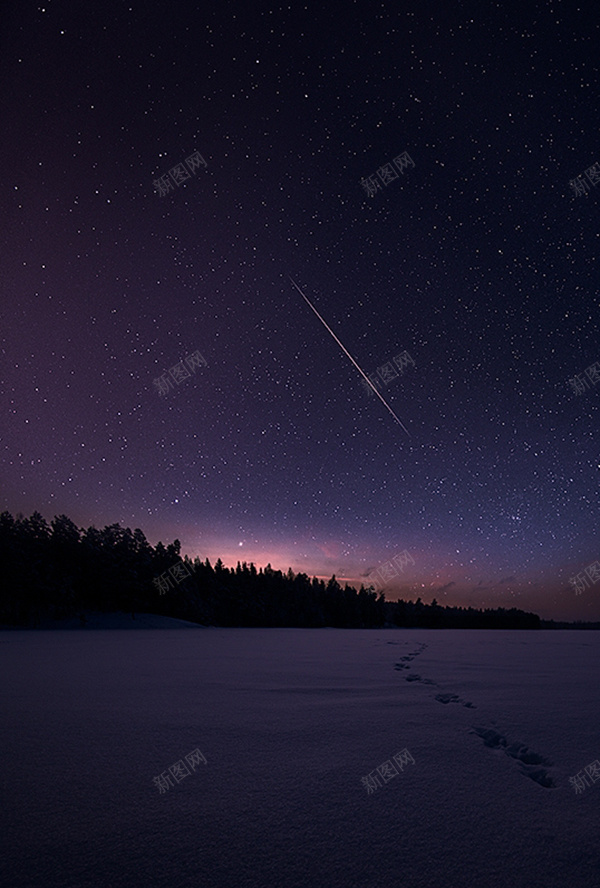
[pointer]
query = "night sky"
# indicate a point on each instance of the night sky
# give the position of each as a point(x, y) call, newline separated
point(478, 261)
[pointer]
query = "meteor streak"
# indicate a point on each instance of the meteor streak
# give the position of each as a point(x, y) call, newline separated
point(345, 350)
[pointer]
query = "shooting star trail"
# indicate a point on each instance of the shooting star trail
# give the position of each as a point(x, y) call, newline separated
point(345, 350)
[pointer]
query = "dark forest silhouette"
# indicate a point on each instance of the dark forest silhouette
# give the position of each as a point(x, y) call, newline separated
point(57, 570)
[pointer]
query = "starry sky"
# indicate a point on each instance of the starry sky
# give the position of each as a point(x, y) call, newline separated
point(479, 260)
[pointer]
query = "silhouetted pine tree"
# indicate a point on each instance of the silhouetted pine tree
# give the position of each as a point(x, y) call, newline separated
point(59, 570)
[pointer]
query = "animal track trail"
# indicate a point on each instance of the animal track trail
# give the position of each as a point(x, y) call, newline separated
point(441, 698)
point(407, 659)
point(415, 677)
point(454, 698)
point(532, 764)
point(527, 758)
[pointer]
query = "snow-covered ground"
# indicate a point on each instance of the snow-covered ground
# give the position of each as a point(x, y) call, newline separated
point(289, 721)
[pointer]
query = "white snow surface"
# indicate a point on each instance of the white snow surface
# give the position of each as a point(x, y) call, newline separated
point(289, 721)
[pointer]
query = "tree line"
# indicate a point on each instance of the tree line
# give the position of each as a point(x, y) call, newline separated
point(433, 616)
point(57, 570)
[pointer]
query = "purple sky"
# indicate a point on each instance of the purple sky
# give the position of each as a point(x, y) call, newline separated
point(479, 261)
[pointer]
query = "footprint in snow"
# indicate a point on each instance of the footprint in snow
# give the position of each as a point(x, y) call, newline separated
point(415, 677)
point(528, 759)
point(454, 698)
